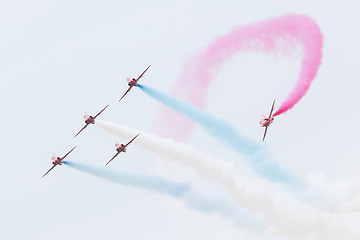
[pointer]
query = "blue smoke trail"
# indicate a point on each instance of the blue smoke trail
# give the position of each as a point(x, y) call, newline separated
point(140, 181)
point(215, 126)
point(228, 134)
point(207, 204)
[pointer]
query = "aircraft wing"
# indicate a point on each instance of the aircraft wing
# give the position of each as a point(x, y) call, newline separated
point(142, 74)
point(68, 153)
point(272, 108)
point(48, 171)
point(265, 132)
point(125, 93)
point(101, 111)
point(112, 158)
point(132, 140)
point(81, 130)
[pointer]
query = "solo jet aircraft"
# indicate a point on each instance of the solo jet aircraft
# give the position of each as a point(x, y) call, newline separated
point(90, 119)
point(266, 121)
point(133, 82)
point(57, 161)
point(121, 148)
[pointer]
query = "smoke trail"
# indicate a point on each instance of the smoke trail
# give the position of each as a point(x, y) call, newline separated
point(312, 39)
point(271, 36)
point(140, 181)
point(229, 135)
point(227, 208)
point(205, 203)
point(216, 127)
point(285, 214)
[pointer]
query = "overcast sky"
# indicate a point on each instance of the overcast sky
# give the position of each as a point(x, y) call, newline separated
point(61, 59)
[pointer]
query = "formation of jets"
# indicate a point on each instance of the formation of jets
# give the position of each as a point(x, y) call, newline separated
point(91, 120)
point(265, 122)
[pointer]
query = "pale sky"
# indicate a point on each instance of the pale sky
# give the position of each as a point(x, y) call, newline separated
point(61, 59)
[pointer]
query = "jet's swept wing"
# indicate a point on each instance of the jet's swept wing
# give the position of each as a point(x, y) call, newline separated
point(101, 111)
point(87, 124)
point(48, 171)
point(272, 108)
point(126, 93)
point(265, 132)
point(142, 73)
point(68, 153)
point(112, 158)
point(132, 140)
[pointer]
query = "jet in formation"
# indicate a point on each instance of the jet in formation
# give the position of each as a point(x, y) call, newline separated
point(121, 148)
point(133, 82)
point(90, 120)
point(57, 161)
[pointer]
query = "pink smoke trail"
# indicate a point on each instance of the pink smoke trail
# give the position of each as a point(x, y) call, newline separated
point(270, 36)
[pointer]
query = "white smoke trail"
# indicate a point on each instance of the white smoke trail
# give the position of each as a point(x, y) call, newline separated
point(220, 205)
point(285, 214)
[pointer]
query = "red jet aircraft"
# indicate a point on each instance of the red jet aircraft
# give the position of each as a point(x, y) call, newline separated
point(57, 161)
point(133, 82)
point(90, 119)
point(121, 148)
point(266, 121)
